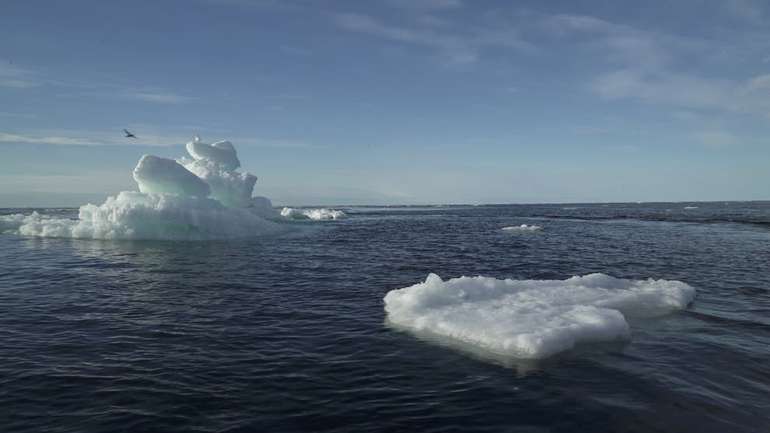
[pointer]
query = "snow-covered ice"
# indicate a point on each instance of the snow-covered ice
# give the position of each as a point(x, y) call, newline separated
point(530, 318)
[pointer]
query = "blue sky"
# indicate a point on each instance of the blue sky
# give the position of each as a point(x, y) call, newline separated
point(394, 101)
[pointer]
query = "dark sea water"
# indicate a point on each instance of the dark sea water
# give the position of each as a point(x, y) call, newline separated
point(288, 333)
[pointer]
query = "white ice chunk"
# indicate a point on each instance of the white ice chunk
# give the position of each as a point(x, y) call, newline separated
point(221, 152)
point(531, 318)
point(523, 228)
point(231, 188)
point(160, 175)
point(318, 214)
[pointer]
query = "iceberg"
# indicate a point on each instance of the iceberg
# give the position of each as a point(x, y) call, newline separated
point(196, 198)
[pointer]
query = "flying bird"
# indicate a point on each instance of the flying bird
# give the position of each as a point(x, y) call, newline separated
point(128, 134)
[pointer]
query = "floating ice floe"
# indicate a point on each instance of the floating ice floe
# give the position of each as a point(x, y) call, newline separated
point(317, 214)
point(522, 228)
point(530, 319)
point(196, 198)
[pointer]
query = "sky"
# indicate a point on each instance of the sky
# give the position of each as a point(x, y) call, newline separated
point(392, 101)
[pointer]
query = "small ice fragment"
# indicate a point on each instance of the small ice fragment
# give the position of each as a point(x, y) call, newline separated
point(523, 227)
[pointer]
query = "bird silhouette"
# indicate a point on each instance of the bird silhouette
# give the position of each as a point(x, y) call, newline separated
point(128, 134)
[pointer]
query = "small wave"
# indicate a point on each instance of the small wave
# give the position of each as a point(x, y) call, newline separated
point(747, 325)
point(317, 214)
point(530, 318)
point(669, 217)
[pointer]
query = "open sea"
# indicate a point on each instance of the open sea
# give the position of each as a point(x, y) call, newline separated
point(287, 333)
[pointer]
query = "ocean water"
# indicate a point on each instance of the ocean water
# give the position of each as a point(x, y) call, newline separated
point(287, 333)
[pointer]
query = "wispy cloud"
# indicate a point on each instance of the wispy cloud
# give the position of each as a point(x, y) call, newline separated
point(665, 88)
point(451, 46)
point(277, 143)
point(15, 77)
point(751, 96)
point(295, 50)
point(656, 68)
point(12, 76)
point(290, 97)
point(53, 139)
point(462, 44)
point(17, 115)
point(623, 44)
point(426, 4)
point(591, 130)
point(157, 97)
point(747, 10)
point(759, 83)
point(716, 138)
point(146, 136)
point(90, 138)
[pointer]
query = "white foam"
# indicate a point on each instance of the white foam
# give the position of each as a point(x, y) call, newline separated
point(523, 228)
point(190, 199)
point(318, 214)
point(531, 318)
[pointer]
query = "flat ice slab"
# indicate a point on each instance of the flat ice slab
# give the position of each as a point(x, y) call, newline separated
point(531, 319)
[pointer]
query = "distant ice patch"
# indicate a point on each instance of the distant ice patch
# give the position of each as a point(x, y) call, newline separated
point(522, 228)
point(196, 198)
point(317, 214)
point(531, 319)
point(691, 207)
